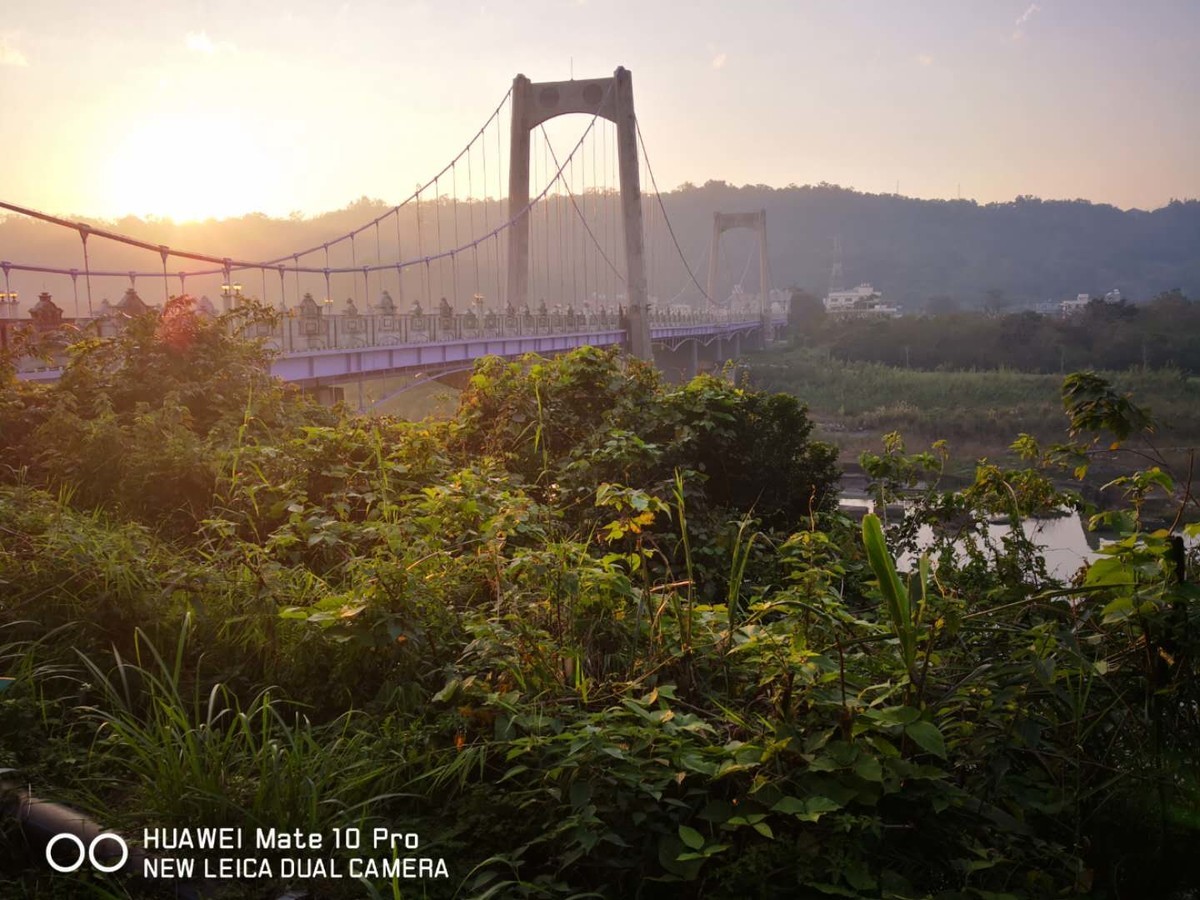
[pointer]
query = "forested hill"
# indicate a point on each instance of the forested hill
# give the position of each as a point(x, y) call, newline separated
point(1032, 250)
point(1021, 253)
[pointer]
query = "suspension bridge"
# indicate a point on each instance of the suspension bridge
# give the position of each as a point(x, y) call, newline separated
point(573, 253)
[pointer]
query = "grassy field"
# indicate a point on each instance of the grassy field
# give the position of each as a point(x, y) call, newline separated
point(978, 412)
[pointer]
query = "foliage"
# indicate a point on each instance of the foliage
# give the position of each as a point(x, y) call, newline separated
point(567, 424)
point(1158, 334)
point(594, 637)
point(154, 406)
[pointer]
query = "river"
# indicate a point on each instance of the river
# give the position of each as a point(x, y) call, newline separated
point(1065, 541)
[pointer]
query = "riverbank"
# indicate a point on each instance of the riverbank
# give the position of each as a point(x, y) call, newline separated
point(977, 413)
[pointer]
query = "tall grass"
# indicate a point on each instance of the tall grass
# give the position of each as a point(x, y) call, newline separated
point(203, 757)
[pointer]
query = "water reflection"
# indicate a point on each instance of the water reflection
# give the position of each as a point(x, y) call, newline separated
point(1065, 541)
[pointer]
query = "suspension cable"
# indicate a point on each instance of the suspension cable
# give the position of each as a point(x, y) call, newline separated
point(579, 212)
point(666, 218)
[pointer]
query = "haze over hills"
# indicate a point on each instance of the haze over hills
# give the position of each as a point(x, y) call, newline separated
point(1031, 250)
point(911, 249)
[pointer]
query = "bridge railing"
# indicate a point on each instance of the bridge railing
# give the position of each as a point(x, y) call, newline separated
point(299, 331)
point(307, 333)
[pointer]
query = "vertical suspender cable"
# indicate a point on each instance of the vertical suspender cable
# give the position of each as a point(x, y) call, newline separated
point(562, 245)
point(500, 193)
point(421, 252)
point(546, 210)
point(471, 210)
point(353, 265)
point(571, 237)
point(164, 252)
point(84, 231)
point(595, 191)
point(428, 281)
point(614, 216)
point(437, 208)
point(328, 296)
point(454, 256)
point(399, 257)
point(583, 245)
point(496, 248)
point(605, 210)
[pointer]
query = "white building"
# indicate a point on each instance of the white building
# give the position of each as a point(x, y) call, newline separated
point(1071, 307)
point(863, 300)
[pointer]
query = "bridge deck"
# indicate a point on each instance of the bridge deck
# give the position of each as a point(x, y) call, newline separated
point(325, 349)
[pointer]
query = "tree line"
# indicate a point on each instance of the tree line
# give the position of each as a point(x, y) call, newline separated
point(1164, 333)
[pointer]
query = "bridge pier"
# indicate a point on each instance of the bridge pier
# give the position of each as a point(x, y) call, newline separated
point(679, 364)
point(327, 394)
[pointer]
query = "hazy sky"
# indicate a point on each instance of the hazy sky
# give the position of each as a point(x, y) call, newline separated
point(221, 107)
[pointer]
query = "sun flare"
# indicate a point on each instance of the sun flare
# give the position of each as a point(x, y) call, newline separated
point(187, 169)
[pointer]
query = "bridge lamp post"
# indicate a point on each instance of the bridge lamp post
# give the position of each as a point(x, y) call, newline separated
point(8, 304)
point(231, 294)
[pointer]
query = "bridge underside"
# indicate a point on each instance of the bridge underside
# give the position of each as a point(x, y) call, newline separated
point(680, 351)
point(337, 376)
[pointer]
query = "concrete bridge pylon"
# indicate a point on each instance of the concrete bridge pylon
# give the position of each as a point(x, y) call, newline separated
point(756, 222)
point(611, 98)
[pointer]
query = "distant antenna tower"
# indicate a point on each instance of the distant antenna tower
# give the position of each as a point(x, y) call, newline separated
point(835, 274)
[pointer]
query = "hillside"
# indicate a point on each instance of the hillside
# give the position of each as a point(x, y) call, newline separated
point(1028, 251)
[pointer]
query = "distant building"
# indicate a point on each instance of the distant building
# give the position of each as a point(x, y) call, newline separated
point(862, 301)
point(1071, 307)
point(1081, 301)
point(779, 300)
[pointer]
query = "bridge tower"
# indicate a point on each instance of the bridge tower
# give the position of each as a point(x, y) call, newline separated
point(756, 222)
point(534, 103)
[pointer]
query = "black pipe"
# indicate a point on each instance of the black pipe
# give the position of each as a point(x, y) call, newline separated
point(41, 821)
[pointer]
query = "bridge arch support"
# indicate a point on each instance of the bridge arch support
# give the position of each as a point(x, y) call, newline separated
point(756, 222)
point(611, 98)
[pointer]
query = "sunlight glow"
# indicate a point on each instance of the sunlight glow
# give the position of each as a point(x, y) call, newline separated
point(189, 168)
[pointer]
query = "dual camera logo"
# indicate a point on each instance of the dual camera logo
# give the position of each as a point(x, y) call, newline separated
point(88, 852)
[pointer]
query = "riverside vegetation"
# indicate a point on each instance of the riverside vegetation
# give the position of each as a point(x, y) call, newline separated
point(977, 380)
point(593, 637)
